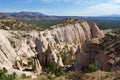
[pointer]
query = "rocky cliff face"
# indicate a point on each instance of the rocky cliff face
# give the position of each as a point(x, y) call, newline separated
point(7, 53)
point(19, 45)
point(50, 42)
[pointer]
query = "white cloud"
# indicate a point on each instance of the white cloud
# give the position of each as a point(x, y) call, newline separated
point(115, 1)
point(108, 8)
point(79, 1)
point(42, 10)
point(73, 1)
point(101, 9)
point(50, 1)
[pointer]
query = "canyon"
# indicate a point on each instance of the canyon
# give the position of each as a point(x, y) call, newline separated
point(80, 40)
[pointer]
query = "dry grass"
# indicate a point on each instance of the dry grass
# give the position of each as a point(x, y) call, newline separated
point(75, 75)
point(102, 75)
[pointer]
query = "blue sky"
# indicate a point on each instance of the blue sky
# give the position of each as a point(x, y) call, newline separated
point(63, 7)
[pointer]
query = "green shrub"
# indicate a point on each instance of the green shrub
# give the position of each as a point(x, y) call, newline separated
point(23, 76)
point(5, 76)
point(31, 62)
point(90, 68)
point(54, 69)
point(63, 53)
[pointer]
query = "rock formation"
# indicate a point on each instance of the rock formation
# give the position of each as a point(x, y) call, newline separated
point(87, 54)
point(7, 53)
point(46, 44)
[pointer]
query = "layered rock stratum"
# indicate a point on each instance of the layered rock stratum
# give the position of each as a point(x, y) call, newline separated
point(77, 37)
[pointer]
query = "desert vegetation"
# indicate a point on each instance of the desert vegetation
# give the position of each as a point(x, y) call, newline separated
point(18, 24)
point(5, 76)
point(71, 75)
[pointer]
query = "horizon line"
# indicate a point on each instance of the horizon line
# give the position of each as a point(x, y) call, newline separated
point(60, 15)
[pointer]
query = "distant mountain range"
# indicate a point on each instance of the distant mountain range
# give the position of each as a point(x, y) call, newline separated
point(112, 15)
point(25, 15)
